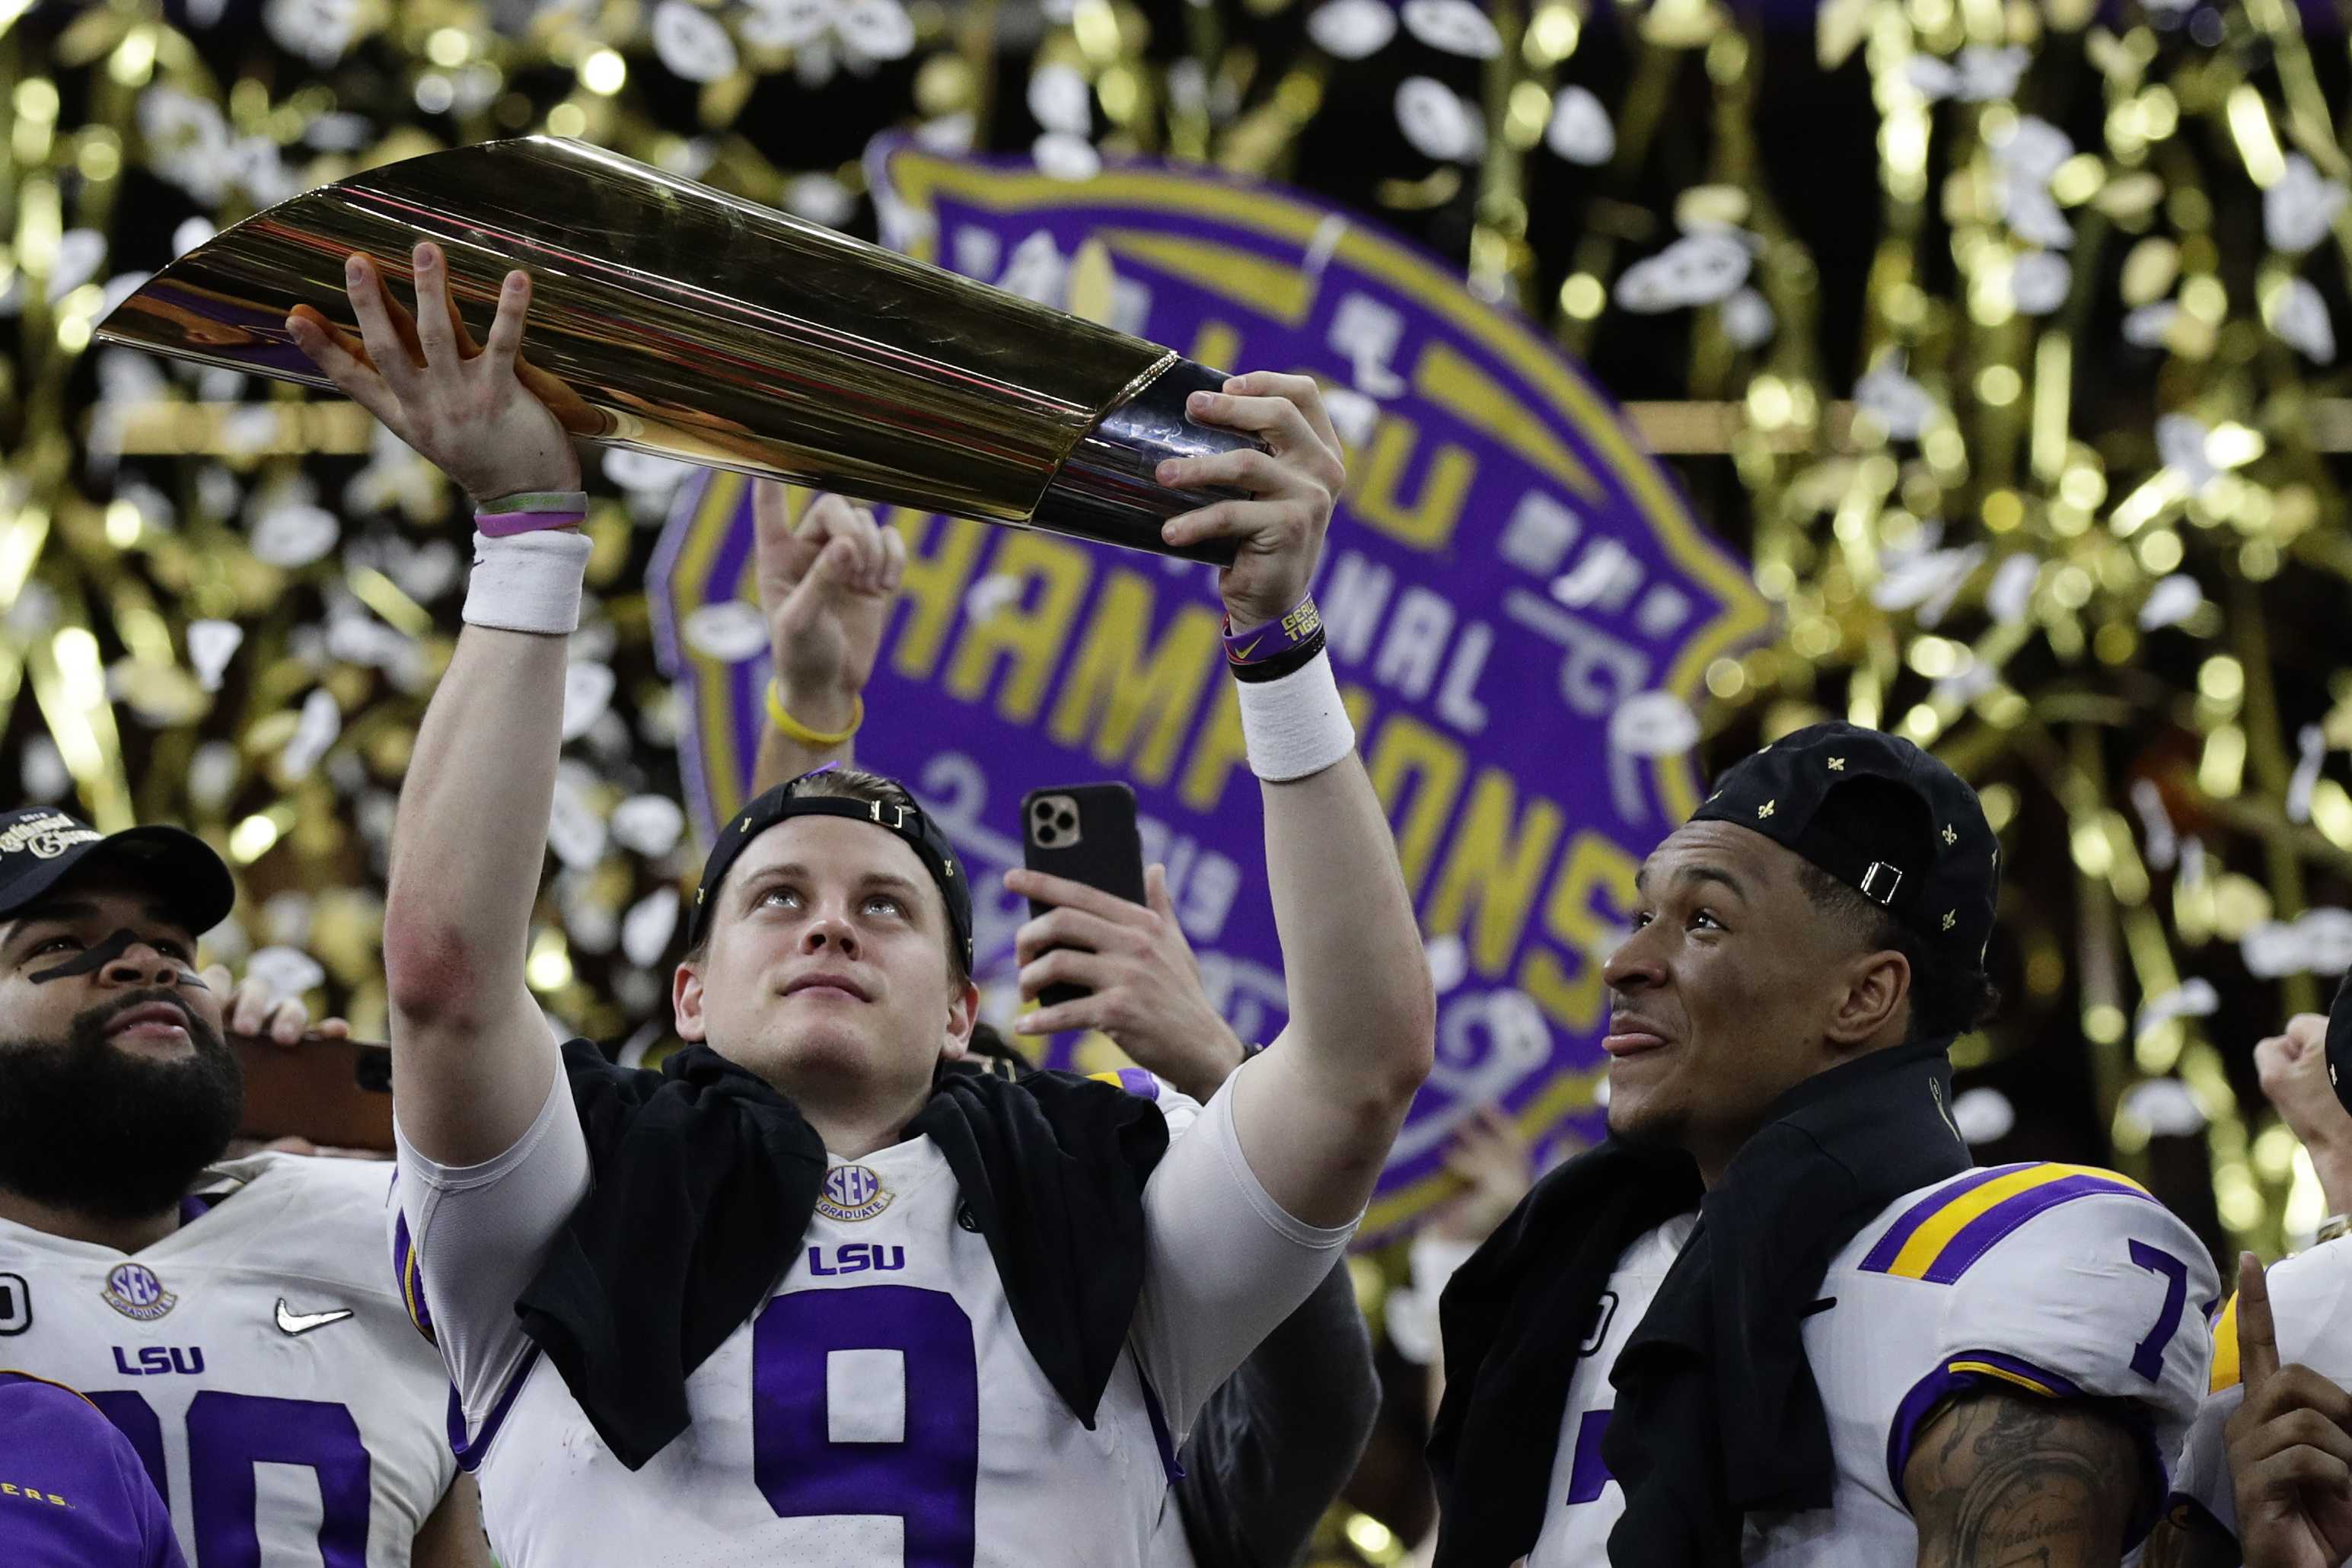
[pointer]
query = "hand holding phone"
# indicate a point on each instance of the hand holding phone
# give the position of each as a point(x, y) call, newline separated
point(1087, 833)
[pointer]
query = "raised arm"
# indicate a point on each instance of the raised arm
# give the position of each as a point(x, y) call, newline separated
point(1316, 1114)
point(2292, 1069)
point(826, 579)
point(472, 1056)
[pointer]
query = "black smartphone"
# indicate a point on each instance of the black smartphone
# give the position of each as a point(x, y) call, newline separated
point(1087, 833)
point(333, 1092)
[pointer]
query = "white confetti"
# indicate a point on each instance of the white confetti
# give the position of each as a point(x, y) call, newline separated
point(646, 473)
point(2039, 282)
point(1899, 403)
point(729, 631)
point(875, 30)
point(2147, 327)
point(294, 535)
point(287, 971)
point(213, 773)
point(587, 693)
point(2172, 601)
point(2298, 211)
point(1695, 270)
point(322, 721)
point(2010, 594)
point(320, 31)
point(1449, 961)
point(2313, 741)
point(648, 825)
point(2155, 822)
point(1927, 582)
point(1351, 29)
point(1983, 1115)
point(1060, 99)
point(2163, 1106)
point(1455, 27)
point(1748, 321)
point(787, 24)
point(192, 233)
point(2320, 942)
point(1987, 74)
point(992, 595)
point(42, 773)
point(211, 645)
point(574, 831)
point(80, 251)
point(2194, 998)
point(649, 926)
point(2180, 441)
point(2299, 316)
point(1061, 156)
point(820, 198)
point(1439, 124)
point(1579, 130)
point(1654, 724)
point(691, 42)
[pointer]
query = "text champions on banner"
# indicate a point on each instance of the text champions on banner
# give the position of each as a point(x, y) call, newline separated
point(1520, 607)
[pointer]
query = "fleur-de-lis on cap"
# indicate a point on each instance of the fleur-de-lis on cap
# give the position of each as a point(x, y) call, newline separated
point(1837, 764)
point(1766, 809)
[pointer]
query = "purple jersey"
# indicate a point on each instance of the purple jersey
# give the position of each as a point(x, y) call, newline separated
point(72, 1492)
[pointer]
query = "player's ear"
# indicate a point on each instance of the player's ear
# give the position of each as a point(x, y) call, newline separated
point(685, 1000)
point(963, 1012)
point(1875, 987)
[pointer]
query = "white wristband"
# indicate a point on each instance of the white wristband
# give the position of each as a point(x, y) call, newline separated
point(1297, 725)
point(529, 582)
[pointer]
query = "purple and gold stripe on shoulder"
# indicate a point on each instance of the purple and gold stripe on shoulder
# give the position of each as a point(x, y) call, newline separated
point(1938, 1237)
point(1135, 1081)
point(405, 1268)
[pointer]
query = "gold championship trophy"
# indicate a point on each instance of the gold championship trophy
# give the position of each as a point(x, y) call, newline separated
point(681, 321)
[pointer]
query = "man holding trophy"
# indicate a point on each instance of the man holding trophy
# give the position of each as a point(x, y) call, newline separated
point(802, 1297)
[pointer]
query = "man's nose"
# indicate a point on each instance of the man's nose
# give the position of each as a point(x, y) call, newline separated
point(1633, 966)
point(830, 930)
point(142, 963)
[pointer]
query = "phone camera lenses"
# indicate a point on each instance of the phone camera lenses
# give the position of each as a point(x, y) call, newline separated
point(1045, 834)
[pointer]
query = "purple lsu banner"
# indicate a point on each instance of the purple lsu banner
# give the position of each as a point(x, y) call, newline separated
point(1519, 607)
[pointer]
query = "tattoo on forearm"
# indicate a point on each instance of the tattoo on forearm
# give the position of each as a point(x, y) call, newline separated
point(2003, 1481)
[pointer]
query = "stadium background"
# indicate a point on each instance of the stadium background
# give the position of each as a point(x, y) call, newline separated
point(2045, 284)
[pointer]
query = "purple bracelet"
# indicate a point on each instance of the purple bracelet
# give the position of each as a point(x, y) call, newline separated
point(1261, 645)
point(501, 525)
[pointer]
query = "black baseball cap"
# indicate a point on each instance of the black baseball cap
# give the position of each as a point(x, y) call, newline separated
point(40, 845)
point(1881, 817)
point(2339, 1042)
point(906, 823)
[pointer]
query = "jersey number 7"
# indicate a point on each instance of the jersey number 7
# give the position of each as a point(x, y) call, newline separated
point(2148, 1356)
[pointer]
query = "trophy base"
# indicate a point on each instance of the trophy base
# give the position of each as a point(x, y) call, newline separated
point(1104, 491)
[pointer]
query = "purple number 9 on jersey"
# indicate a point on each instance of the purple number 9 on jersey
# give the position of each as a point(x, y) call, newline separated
point(867, 1402)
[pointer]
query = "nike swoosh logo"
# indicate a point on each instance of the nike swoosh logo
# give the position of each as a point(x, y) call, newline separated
point(293, 1322)
point(1243, 653)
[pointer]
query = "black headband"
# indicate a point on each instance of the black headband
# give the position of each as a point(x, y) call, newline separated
point(907, 823)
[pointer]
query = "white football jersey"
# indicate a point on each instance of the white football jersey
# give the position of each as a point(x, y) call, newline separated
point(2310, 1296)
point(2057, 1279)
point(882, 1409)
point(259, 1359)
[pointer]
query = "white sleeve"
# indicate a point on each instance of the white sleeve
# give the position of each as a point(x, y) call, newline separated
point(2202, 1474)
point(1224, 1262)
point(467, 1238)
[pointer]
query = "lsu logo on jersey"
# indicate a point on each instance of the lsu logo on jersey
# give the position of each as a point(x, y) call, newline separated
point(852, 1193)
point(134, 1290)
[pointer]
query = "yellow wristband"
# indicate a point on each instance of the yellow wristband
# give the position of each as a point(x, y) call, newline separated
point(791, 728)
